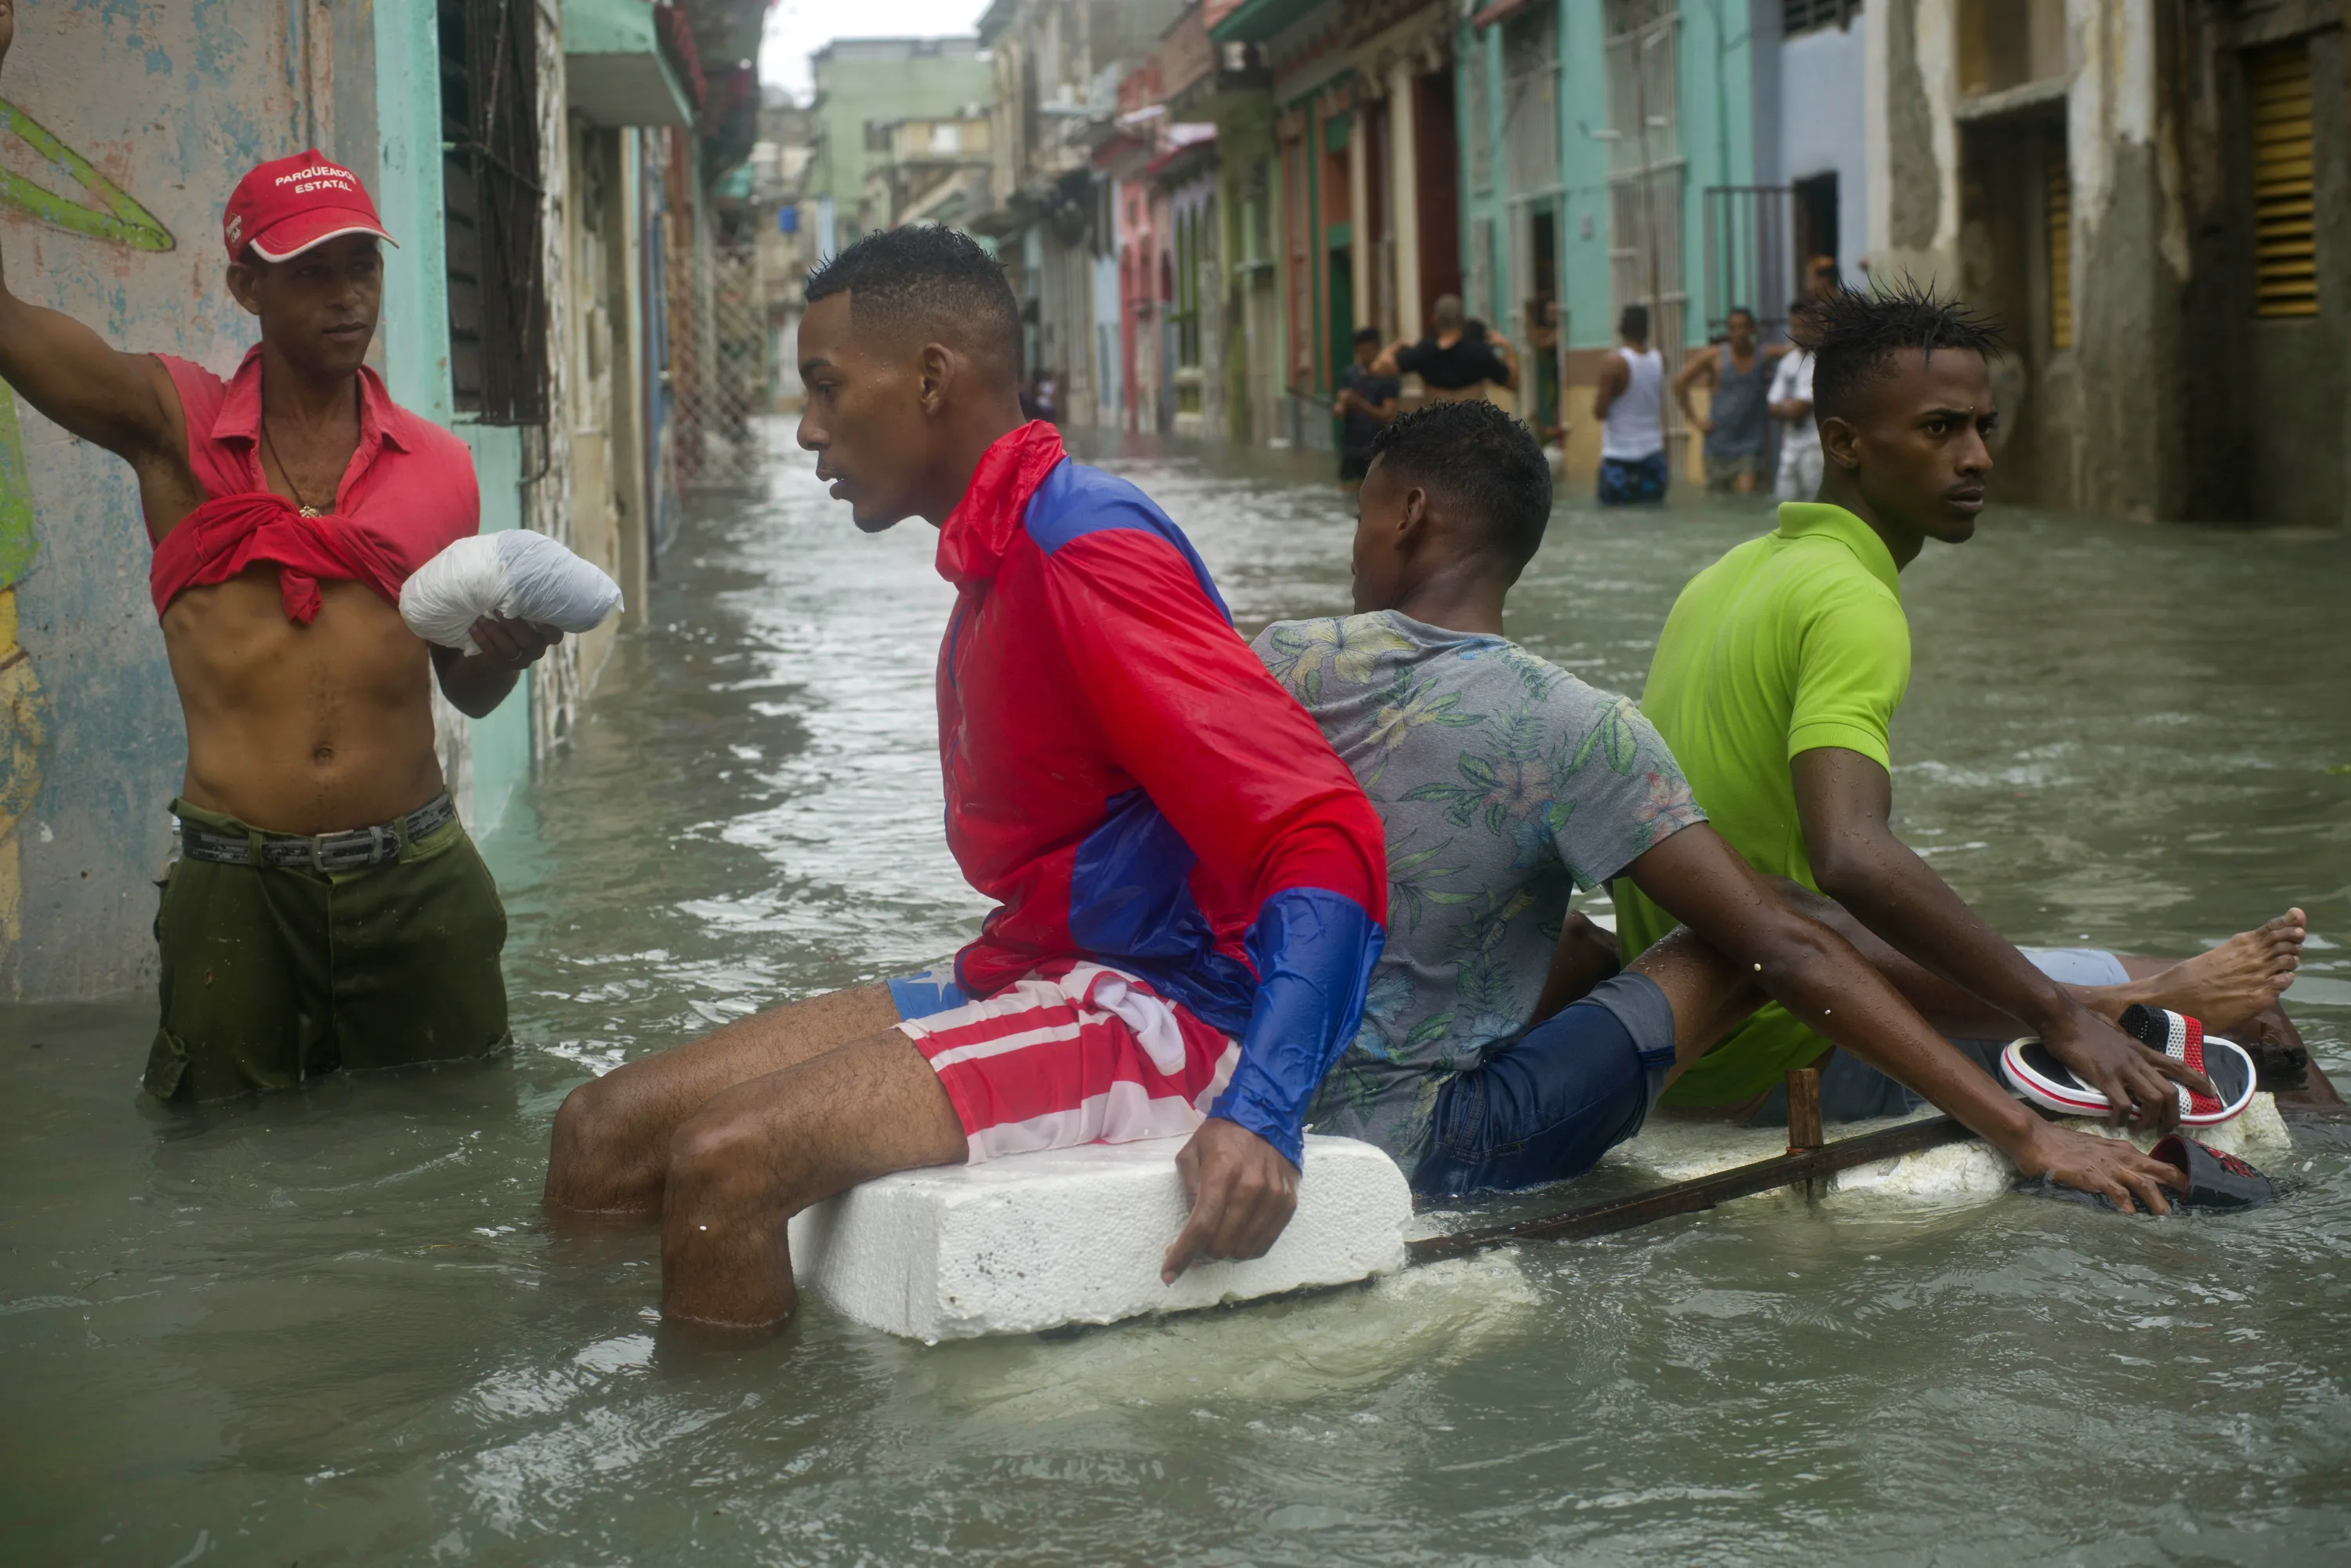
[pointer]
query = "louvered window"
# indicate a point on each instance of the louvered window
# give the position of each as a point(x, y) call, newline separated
point(1804, 16)
point(2285, 249)
point(2059, 227)
point(490, 196)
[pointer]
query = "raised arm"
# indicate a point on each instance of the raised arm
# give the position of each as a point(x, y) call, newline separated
point(1815, 974)
point(1386, 364)
point(1700, 367)
point(1844, 800)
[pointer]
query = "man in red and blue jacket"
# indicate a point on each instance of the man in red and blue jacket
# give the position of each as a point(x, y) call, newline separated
point(1190, 885)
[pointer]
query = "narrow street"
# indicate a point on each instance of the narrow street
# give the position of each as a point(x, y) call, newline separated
point(331, 1323)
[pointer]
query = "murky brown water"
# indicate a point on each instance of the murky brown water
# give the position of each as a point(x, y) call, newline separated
point(326, 1328)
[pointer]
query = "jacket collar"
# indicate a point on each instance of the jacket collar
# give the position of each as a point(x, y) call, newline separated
point(382, 423)
point(1798, 518)
point(973, 540)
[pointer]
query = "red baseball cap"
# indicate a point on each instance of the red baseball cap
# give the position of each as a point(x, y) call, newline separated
point(289, 204)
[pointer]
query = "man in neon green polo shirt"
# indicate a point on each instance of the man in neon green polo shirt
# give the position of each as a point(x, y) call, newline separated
point(1774, 683)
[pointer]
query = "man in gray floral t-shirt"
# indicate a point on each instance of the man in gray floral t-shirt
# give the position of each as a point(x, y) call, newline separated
point(1505, 784)
point(1488, 1058)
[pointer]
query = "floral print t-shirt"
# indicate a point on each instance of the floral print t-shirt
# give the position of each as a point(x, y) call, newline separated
point(1505, 783)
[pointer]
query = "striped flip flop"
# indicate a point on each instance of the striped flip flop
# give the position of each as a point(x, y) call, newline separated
point(2033, 1070)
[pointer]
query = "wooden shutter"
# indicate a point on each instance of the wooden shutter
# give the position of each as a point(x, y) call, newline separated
point(2060, 227)
point(2286, 250)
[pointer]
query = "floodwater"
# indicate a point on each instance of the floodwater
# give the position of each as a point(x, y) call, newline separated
point(329, 1328)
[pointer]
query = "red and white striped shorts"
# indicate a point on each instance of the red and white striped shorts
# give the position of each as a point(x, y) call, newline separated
point(1073, 1053)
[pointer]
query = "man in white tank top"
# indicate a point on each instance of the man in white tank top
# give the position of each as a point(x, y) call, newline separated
point(1631, 408)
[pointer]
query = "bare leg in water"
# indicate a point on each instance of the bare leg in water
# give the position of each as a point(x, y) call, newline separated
point(726, 1137)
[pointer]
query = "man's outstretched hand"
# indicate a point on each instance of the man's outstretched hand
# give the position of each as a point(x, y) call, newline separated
point(2137, 1081)
point(2107, 1166)
point(1242, 1191)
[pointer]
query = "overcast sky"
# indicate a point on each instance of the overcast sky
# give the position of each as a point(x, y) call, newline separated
point(796, 28)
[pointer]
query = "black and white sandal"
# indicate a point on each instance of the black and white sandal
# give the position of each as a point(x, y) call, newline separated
point(2033, 1070)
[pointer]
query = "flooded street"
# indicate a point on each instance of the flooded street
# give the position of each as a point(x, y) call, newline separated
point(329, 1327)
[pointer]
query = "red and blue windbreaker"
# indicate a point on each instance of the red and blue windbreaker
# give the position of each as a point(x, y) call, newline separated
point(1128, 784)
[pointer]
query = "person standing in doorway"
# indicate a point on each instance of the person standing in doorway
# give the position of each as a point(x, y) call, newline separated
point(1737, 424)
point(1459, 358)
point(1365, 405)
point(1630, 405)
point(1799, 440)
point(328, 909)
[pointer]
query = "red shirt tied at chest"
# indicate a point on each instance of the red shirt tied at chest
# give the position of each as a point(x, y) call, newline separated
point(407, 494)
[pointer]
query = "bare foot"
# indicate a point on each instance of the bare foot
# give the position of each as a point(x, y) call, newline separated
point(2229, 985)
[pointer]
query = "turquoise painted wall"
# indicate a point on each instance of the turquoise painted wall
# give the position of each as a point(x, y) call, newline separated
point(1718, 117)
point(415, 338)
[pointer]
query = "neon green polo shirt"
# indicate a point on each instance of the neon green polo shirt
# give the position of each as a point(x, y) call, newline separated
point(1790, 643)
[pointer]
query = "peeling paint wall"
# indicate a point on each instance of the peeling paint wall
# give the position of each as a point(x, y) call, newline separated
point(126, 123)
point(2171, 398)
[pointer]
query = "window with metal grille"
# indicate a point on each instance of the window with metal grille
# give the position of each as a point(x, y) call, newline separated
point(2286, 239)
point(1805, 15)
point(490, 195)
point(2058, 227)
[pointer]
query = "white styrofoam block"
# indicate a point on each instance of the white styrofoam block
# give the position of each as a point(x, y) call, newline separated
point(1075, 1236)
point(1679, 1150)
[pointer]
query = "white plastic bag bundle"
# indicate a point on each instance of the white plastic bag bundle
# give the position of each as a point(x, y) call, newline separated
point(518, 574)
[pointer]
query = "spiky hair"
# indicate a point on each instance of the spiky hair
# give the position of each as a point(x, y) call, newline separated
point(1852, 336)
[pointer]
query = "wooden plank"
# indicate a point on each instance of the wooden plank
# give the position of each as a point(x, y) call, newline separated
point(1699, 1193)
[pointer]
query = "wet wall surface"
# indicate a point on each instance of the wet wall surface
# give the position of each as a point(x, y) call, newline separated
point(329, 1327)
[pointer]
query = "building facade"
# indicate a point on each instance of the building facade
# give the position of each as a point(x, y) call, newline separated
point(2152, 196)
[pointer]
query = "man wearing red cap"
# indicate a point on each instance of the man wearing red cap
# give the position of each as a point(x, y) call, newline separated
point(328, 909)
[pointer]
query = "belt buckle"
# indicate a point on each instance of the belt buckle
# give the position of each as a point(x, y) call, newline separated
point(318, 853)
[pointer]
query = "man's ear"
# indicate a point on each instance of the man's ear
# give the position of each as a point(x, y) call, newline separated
point(939, 365)
point(1841, 442)
point(1413, 516)
point(245, 285)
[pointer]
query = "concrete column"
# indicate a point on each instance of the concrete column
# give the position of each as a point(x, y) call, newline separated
point(1403, 197)
point(1359, 234)
point(2330, 128)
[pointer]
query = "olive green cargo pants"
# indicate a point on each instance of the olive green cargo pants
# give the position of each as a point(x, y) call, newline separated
point(273, 975)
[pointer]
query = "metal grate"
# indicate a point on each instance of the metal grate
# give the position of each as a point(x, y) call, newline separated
point(1751, 255)
point(2285, 240)
point(490, 191)
point(719, 373)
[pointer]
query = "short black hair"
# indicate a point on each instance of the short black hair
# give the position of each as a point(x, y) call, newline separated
point(1634, 322)
point(1852, 336)
point(1482, 458)
point(930, 280)
point(1738, 310)
point(1366, 335)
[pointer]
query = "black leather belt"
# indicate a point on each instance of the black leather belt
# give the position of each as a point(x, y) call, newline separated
point(352, 850)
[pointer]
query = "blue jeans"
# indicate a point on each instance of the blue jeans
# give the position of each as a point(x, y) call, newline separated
point(1632, 481)
point(1545, 1108)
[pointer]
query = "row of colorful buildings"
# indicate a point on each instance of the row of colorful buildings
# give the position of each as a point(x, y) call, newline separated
point(567, 182)
point(1200, 201)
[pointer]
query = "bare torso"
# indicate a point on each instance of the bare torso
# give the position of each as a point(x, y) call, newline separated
point(301, 729)
point(291, 728)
